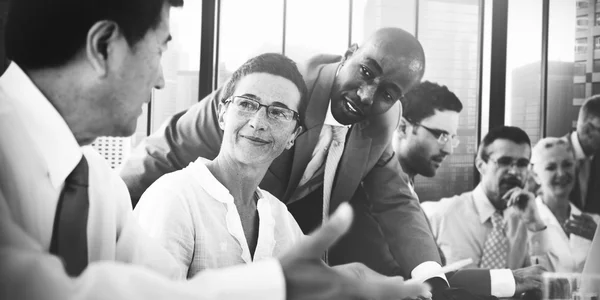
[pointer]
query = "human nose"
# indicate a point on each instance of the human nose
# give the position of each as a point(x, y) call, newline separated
point(366, 93)
point(160, 81)
point(259, 120)
point(447, 148)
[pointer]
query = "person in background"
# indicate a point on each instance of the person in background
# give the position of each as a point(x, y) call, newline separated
point(343, 155)
point(585, 141)
point(496, 222)
point(553, 168)
point(427, 132)
point(83, 69)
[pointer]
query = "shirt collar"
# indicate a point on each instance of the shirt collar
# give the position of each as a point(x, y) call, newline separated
point(49, 131)
point(579, 154)
point(484, 207)
point(212, 185)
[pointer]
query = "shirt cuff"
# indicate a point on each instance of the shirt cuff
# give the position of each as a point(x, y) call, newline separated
point(428, 270)
point(502, 283)
point(259, 280)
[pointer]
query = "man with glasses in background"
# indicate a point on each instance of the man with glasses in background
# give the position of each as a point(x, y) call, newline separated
point(497, 224)
point(427, 131)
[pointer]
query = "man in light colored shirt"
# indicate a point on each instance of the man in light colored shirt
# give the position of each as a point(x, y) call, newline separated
point(586, 144)
point(83, 69)
point(462, 224)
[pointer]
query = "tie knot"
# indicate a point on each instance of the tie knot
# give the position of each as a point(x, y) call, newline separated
point(79, 175)
point(339, 133)
point(498, 220)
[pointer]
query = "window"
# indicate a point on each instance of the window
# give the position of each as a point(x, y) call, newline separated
point(579, 90)
point(326, 31)
point(449, 32)
point(582, 23)
point(596, 42)
point(523, 66)
point(579, 68)
point(581, 46)
point(581, 4)
point(245, 31)
point(596, 65)
point(597, 19)
point(595, 88)
point(181, 65)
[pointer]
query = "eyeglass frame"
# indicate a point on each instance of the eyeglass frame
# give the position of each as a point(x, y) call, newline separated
point(513, 162)
point(439, 134)
point(295, 116)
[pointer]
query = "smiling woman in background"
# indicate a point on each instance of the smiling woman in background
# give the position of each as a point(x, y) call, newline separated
point(212, 213)
point(553, 168)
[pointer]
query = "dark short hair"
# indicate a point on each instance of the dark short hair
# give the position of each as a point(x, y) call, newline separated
point(591, 107)
point(49, 33)
point(422, 101)
point(274, 64)
point(514, 134)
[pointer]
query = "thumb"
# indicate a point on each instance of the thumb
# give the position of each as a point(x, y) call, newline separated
point(330, 232)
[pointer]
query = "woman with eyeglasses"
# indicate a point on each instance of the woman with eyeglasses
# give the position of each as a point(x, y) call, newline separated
point(571, 231)
point(212, 214)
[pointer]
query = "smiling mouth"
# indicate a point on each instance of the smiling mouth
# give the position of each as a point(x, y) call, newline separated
point(255, 139)
point(350, 106)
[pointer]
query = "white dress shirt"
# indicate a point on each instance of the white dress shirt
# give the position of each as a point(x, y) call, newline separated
point(461, 225)
point(37, 152)
point(194, 217)
point(565, 253)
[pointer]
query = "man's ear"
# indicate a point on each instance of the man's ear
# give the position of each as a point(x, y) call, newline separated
point(102, 42)
point(295, 135)
point(402, 127)
point(480, 165)
point(222, 110)
point(351, 50)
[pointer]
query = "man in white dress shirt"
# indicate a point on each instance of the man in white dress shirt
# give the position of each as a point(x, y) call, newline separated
point(83, 69)
point(462, 225)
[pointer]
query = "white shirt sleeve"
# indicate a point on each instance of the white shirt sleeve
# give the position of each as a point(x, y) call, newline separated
point(427, 268)
point(29, 272)
point(503, 283)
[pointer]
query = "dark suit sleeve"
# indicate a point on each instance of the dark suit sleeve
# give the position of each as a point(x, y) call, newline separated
point(182, 139)
point(476, 281)
point(399, 215)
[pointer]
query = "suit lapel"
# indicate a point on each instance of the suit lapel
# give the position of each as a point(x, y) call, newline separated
point(351, 166)
point(315, 117)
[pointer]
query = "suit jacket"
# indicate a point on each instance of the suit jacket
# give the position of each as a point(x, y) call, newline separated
point(592, 201)
point(390, 232)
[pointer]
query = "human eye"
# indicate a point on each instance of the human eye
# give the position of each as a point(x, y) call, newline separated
point(504, 161)
point(246, 104)
point(550, 167)
point(280, 113)
point(522, 163)
point(388, 96)
point(365, 71)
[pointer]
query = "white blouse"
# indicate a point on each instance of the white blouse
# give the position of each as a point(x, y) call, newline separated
point(194, 217)
point(566, 253)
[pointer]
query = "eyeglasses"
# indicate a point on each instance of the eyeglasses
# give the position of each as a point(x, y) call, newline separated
point(442, 137)
point(252, 106)
point(508, 162)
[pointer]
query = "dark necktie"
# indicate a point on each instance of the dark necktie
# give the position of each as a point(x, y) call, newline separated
point(69, 238)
